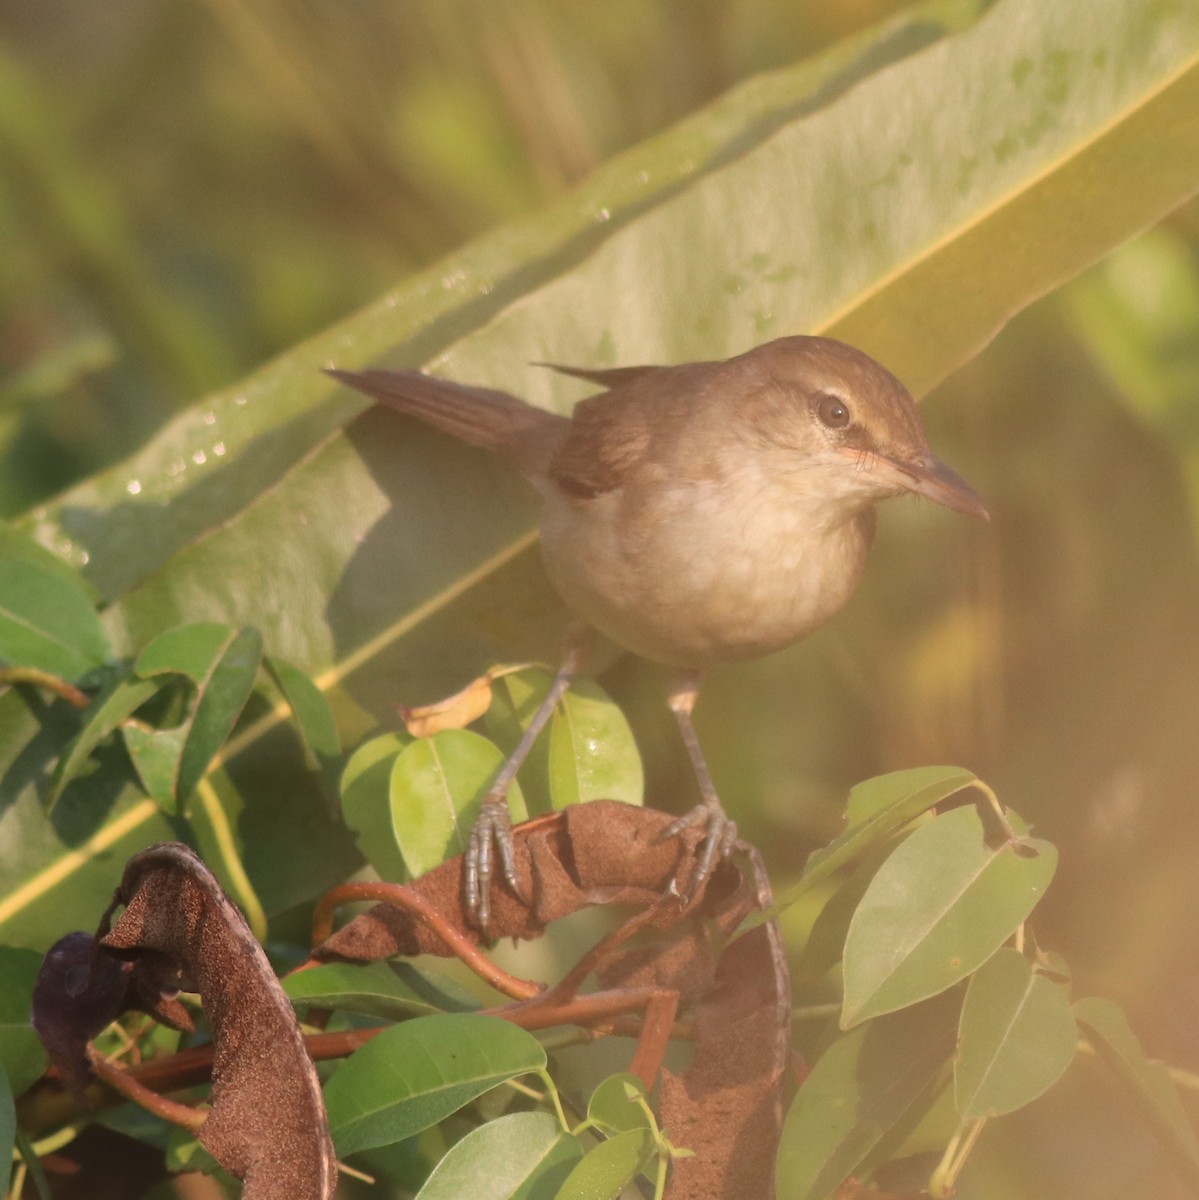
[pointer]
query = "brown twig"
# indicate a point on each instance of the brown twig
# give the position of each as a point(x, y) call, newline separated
point(44, 679)
point(459, 943)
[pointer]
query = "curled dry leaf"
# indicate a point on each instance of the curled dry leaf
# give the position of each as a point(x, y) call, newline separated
point(727, 1106)
point(454, 712)
point(267, 1125)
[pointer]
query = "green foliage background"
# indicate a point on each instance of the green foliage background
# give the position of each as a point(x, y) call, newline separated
point(187, 190)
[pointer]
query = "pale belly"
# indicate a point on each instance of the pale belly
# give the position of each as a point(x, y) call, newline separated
point(692, 588)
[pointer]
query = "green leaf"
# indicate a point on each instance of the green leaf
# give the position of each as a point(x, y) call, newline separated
point(862, 1087)
point(1147, 1080)
point(155, 754)
point(592, 754)
point(607, 1169)
point(521, 1156)
point(222, 663)
point(1016, 1039)
point(21, 1052)
point(437, 787)
point(825, 944)
point(312, 715)
point(876, 808)
point(391, 990)
point(105, 714)
point(366, 803)
point(613, 1108)
point(47, 621)
point(413, 1075)
point(188, 650)
point(588, 752)
point(937, 909)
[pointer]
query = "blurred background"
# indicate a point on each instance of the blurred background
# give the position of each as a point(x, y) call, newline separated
point(187, 189)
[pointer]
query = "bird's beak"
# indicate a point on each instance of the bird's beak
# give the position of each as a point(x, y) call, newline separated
point(930, 477)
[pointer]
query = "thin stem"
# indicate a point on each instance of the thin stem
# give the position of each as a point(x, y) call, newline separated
point(230, 859)
point(33, 1165)
point(44, 679)
point(121, 1081)
point(994, 802)
point(942, 1183)
point(552, 1092)
point(815, 1012)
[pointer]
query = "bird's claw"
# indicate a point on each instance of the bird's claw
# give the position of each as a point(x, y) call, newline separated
point(491, 831)
point(719, 842)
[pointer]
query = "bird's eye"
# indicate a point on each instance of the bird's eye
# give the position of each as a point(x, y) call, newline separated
point(832, 411)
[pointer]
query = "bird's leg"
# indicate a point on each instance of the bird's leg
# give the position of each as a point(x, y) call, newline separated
point(721, 835)
point(492, 830)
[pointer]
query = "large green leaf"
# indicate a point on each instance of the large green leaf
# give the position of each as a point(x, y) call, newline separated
point(437, 788)
point(587, 753)
point(911, 209)
point(391, 990)
point(366, 802)
point(876, 808)
point(222, 663)
point(607, 1169)
point(1016, 1038)
point(47, 621)
point(412, 1075)
point(521, 1156)
point(863, 1086)
point(937, 909)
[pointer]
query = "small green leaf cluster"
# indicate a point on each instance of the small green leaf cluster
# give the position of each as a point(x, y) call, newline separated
point(410, 802)
point(172, 708)
point(949, 1014)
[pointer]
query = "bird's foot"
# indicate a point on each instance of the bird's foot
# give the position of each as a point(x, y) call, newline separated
point(719, 842)
point(490, 834)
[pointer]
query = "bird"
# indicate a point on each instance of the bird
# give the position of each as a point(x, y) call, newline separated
point(694, 514)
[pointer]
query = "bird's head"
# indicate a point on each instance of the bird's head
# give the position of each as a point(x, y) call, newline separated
point(850, 427)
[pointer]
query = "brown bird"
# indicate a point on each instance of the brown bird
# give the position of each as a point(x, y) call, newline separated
point(694, 514)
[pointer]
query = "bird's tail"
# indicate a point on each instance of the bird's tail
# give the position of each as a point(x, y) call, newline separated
point(480, 416)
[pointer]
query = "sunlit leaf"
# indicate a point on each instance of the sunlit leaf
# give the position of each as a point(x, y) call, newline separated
point(155, 754)
point(412, 1075)
point(222, 662)
point(437, 787)
point(587, 752)
point(521, 1156)
point(937, 909)
point(1017, 1037)
point(366, 803)
point(391, 990)
point(312, 715)
point(613, 1106)
point(605, 1170)
point(861, 1088)
point(47, 621)
point(876, 808)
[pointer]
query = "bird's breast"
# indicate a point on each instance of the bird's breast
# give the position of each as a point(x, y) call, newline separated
point(696, 575)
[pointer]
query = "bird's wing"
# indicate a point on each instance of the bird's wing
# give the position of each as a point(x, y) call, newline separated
point(481, 416)
point(608, 437)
